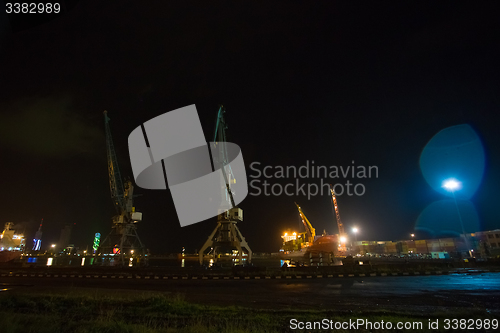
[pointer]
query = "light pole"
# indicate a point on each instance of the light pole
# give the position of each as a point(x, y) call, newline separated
point(355, 232)
point(452, 185)
point(413, 241)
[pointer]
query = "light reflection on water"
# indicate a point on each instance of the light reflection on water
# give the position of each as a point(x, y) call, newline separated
point(282, 262)
point(474, 284)
point(481, 283)
point(193, 262)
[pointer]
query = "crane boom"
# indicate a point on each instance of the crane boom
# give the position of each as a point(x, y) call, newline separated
point(337, 214)
point(115, 179)
point(311, 232)
point(220, 139)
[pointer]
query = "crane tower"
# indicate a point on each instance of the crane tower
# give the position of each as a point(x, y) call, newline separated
point(123, 241)
point(226, 236)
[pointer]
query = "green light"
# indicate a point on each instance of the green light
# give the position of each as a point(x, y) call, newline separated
point(97, 240)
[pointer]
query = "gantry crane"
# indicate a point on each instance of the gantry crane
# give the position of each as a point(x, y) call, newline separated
point(342, 237)
point(123, 240)
point(311, 232)
point(226, 235)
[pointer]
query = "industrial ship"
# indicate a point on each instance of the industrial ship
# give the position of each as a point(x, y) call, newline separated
point(307, 244)
point(11, 243)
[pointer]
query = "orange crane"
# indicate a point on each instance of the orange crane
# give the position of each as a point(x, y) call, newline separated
point(311, 232)
point(336, 207)
point(342, 234)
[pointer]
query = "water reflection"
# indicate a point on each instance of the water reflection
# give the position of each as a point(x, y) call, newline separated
point(193, 262)
point(285, 263)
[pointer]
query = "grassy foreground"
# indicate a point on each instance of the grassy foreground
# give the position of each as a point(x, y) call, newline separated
point(92, 312)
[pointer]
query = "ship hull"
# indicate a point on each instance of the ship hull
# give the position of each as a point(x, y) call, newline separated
point(6, 256)
point(324, 244)
point(293, 255)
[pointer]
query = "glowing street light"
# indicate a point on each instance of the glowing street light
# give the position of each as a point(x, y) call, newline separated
point(412, 235)
point(355, 231)
point(53, 245)
point(453, 185)
point(343, 239)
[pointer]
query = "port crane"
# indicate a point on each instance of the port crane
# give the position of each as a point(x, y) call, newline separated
point(342, 235)
point(311, 232)
point(123, 240)
point(226, 235)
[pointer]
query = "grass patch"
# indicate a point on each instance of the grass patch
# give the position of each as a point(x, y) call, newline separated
point(92, 312)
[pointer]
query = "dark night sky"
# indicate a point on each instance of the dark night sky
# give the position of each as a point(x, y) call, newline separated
point(329, 82)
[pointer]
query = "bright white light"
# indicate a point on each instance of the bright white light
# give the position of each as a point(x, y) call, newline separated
point(53, 245)
point(49, 261)
point(452, 184)
point(343, 239)
point(355, 230)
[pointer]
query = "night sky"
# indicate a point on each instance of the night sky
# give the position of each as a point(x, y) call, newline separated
point(301, 81)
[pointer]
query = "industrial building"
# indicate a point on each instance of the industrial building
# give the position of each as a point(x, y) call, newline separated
point(482, 244)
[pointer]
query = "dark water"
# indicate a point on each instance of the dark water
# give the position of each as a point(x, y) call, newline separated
point(192, 262)
point(259, 261)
